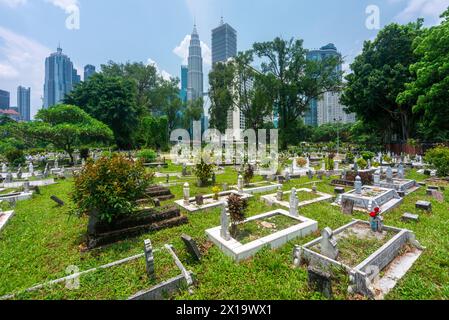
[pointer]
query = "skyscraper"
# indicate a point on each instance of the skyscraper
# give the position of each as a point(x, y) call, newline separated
point(224, 43)
point(60, 77)
point(24, 103)
point(4, 99)
point(328, 109)
point(89, 70)
point(195, 73)
point(184, 82)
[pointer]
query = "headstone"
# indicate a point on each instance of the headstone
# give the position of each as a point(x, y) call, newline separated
point(389, 175)
point(31, 169)
point(320, 175)
point(339, 190)
point(410, 217)
point(376, 179)
point(240, 184)
point(329, 244)
point(167, 178)
point(423, 205)
point(320, 281)
point(358, 185)
point(343, 175)
point(279, 194)
point(287, 176)
point(225, 187)
point(156, 202)
point(437, 195)
point(191, 247)
point(336, 165)
point(347, 206)
point(57, 200)
point(4, 168)
point(9, 177)
point(356, 166)
point(186, 193)
point(26, 186)
point(369, 163)
point(199, 199)
point(314, 188)
point(56, 163)
point(149, 259)
point(294, 203)
point(323, 165)
point(214, 178)
point(310, 174)
point(225, 218)
point(184, 170)
point(401, 171)
point(19, 173)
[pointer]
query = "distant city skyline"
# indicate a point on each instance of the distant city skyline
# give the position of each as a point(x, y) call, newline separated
point(25, 41)
point(24, 103)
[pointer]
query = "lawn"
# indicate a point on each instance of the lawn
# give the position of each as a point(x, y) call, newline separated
point(42, 240)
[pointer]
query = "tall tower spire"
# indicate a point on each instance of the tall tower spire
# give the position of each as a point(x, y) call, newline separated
point(195, 67)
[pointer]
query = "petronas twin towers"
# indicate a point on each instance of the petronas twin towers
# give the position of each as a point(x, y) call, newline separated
point(195, 75)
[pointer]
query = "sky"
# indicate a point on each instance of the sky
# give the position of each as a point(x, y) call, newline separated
point(157, 31)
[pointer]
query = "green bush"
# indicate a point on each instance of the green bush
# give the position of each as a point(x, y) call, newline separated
point(329, 161)
point(368, 155)
point(110, 187)
point(248, 174)
point(350, 157)
point(362, 163)
point(237, 210)
point(15, 157)
point(203, 171)
point(439, 158)
point(147, 155)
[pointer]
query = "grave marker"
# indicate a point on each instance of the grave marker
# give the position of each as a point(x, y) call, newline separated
point(191, 246)
point(329, 244)
point(347, 206)
point(57, 200)
point(149, 259)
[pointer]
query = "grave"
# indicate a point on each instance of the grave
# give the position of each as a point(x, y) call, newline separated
point(366, 198)
point(257, 187)
point(406, 186)
point(424, 205)
point(191, 247)
point(4, 218)
point(317, 196)
point(372, 273)
point(406, 217)
point(239, 251)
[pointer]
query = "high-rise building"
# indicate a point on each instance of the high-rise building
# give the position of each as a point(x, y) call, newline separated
point(224, 43)
point(24, 103)
point(60, 78)
point(328, 109)
point(184, 82)
point(195, 73)
point(4, 99)
point(89, 70)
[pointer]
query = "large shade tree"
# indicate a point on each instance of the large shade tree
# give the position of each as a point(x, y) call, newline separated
point(429, 92)
point(378, 75)
point(67, 127)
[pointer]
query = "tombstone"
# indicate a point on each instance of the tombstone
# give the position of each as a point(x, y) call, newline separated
point(294, 203)
point(339, 190)
point(31, 169)
point(19, 173)
point(329, 244)
point(314, 188)
point(184, 170)
point(149, 259)
point(46, 171)
point(358, 185)
point(287, 176)
point(343, 174)
point(437, 195)
point(9, 177)
point(423, 205)
point(191, 247)
point(356, 166)
point(310, 174)
point(199, 199)
point(347, 206)
point(57, 200)
point(279, 194)
point(240, 184)
point(156, 202)
point(214, 178)
point(26, 186)
point(225, 218)
point(320, 281)
point(56, 163)
point(320, 175)
point(186, 193)
point(225, 187)
point(323, 166)
point(4, 167)
point(376, 180)
point(369, 163)
point(83, 162)
point(401, 171)
point(406, 217)
point(336, 165)
point(389, 175)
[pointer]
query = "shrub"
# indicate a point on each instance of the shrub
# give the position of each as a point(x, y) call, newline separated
point(301, 162)
point(386, 159)
point(439, 158)
point(237, 210)
point(15, 157)
point(147, 155)
point(362, 163)
point(109, 187)
point(329, 161)
point(203, 171)
point(350, 157)
point(248, 174)
point(368, 155)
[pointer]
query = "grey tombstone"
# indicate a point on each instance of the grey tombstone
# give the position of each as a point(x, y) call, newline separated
point(319, 280)
point(437, 195)
point(186, 193)
point(343, 175)
point(358, 185)
point(310, 174)
point(31, 169)
point(347, 206)
point(376, 180)
point(423, 205)
point(199, 199)
point(369, 163)
point(19, 173)
point(410, 217)
point(356, 166)
point(240, 184)
point(56, 163)
point(287, 176)
point(225, 218)
point(4, 167)
point(329, 244)
point(389, 175)
point(314, 188)
point(167, 178)
point(279, 194)
point(184, 170)
point(156, 202)
point(294, 203)
point(401, 171)
point(191, 246)
point(58, 201)
point(149, 259)
point(26, 186)
point(9, 177)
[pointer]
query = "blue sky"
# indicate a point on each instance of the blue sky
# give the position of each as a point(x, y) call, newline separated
point(157, 31)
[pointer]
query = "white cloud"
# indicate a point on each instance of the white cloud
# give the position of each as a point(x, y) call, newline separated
point(22, 62)
point(64, 4)
point(164, 74)
point(182, 51)
point(421, 9)
point(13, 3)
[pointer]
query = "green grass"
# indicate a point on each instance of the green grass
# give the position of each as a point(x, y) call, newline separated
point(42, 240)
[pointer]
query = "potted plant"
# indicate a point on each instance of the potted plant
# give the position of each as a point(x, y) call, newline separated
point(237, 210)
point(216, 191)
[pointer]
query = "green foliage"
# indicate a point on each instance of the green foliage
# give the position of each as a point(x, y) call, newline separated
point(237, 210)
point(248, 174)
point(362, 163)
point(368, 155)
point(329, 161)
point(193, 112)
point(110, 187)
point(147, 155)
point(350, 157)
point(67, 127)
point(439, 158)
point(153, 133)
point(111, 100)
point(428, 89)
point(301, 162)
point(15, 157)
point(84, 153)
point(203, 171)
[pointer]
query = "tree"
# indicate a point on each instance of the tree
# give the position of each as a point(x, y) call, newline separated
point(153, 132)
point(168, 102)
point(111, 100)
point(294, 81)
point(193, 112)
point(428, 92)
point(67, 127)
point(220, 93)
point(378, 75)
